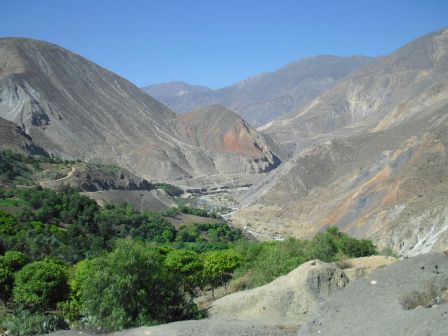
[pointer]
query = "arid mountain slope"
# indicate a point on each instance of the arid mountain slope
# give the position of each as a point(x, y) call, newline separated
point(219, 130)
point(383, 177)
point(13, 137)
point(267, 96)
point(410, 81)
point(73, 108)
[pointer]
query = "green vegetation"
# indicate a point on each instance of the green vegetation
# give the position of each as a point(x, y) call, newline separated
point(10, 263)
point(130, 287)
point(263, 262)
point(27, 323)
point(65, 261)
point(219, 266)
point(170, 189)
point(17, 168)
point(40, 285)
point(12, 166)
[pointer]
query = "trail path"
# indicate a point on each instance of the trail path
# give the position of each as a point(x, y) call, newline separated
point(70, 174)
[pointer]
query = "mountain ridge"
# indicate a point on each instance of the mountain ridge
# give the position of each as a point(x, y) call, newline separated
point(76, 109)
point(265, 96)
point(370, 157)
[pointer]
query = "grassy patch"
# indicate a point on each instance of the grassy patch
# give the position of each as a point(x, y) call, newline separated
point(12, 202)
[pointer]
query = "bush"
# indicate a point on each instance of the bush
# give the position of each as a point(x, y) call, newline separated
point(8, 223)
point(186, 263)
point(26, 323)
point(40, 285)
point(171, 190)
point(324, 247)
point(130, 287)
point(263, 262)
point(219, 266)
point(10, 263)
point(193, 211)
point(356, 248)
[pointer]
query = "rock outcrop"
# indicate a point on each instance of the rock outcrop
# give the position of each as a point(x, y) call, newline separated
point(14, 137)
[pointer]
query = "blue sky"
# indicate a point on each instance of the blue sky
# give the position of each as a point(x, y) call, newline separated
point(217, 43)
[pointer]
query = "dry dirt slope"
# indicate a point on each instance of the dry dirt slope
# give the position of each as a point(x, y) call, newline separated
point(372, 306)
point(373, 159)
point(75, 109)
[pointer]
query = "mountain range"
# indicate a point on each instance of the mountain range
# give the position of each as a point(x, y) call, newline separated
point(356, 142)
point(370, 156)
point(267, 96)
point(75, 109)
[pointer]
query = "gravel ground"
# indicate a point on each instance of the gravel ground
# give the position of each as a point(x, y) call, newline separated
point(207, 327)
point(372, 306)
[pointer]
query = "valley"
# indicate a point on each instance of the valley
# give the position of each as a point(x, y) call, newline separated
point(306, 197)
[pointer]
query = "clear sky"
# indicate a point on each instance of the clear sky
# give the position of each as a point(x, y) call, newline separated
point(217, 43)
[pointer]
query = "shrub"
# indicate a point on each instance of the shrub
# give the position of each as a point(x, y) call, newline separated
point(130, 287)
point(262, 262)
point(356, 248)
point(10, 263)
point(40, 285)
point(343, 264)
point(26, 323)
point(219, 265)
point(324, 247)
point(8, 223)
point(185, 263)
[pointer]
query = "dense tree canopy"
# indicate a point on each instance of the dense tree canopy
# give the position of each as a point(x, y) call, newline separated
point(130, 287)
point(40, 285)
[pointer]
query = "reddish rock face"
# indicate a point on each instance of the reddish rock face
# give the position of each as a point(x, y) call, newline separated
point(240, 141)
point(219, 129)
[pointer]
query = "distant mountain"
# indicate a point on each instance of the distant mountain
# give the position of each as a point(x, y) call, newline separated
point(219, 130)
point(75, 109)
point(265, 97)
point(371, 157)
point(175, 92)
point(410, 82)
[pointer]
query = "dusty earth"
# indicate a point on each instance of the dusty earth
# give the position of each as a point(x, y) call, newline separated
point(373, 306)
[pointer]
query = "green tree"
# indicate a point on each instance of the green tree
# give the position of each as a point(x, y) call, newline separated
point(130, 287)
point(218, 267)
point(324, 246)
point(357, 248)
point(40, 285)
point(10, 263)
point(8, 223)
point(186, 263)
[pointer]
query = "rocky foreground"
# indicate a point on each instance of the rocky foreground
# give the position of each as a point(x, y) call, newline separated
point(366, 296)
